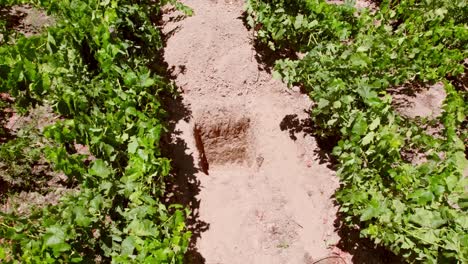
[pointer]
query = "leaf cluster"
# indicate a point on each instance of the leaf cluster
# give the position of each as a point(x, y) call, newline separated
point(95, 68)
point(352, 58)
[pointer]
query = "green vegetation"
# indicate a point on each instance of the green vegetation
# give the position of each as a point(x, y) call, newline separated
point(95, 68)
point(98, 68)
point(352, 58)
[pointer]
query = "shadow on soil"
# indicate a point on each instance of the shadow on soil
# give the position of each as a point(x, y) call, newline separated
point(17, 165)
point(11, 17)
point(407, 91)
point(265, 56)
point(363, 250)
point(183, 186)
point(23, 18)
point(305, 128)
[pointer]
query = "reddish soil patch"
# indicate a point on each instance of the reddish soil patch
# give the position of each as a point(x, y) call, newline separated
point(268, 195)
point(33, 184)
point(419, 101)
point(25, 19)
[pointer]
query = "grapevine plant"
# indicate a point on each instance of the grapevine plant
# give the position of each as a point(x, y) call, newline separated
point(94, 66)
point(352, 57)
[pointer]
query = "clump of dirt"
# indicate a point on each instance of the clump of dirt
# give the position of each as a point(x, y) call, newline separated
point(280, 233)
point(222, 137)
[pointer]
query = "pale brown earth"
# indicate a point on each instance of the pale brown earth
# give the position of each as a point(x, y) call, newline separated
point(358, 4)
point(416, 101)
point(259, 186)
point(25, 19)
point(47, 186)
point(419, 101)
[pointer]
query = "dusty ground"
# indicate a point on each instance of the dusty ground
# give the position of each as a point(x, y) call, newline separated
point(22, 194)
point(259, 186)
point(414, 101)
point(25, 19)
point(32, 183)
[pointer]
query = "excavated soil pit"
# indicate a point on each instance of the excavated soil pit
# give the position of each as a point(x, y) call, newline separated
point(222, 137)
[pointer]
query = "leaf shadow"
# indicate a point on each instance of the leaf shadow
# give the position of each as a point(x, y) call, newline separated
point(304, 127)
point(183, 186)
point(363, 250)
point(263, 54)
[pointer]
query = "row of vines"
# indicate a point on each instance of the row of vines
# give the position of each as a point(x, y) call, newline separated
point(97, 66)
point(351, 59)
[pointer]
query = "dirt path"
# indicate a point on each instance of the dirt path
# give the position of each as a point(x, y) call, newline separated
point(266, 197)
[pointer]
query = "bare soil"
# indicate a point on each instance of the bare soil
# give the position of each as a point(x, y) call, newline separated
point(36, 185)
point(43, 186)
point(25, 19)
point(260, 188)
point(419, 101)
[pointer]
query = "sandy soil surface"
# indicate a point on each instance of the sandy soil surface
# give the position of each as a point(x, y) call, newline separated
point(259, 186)
point(414, 101)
